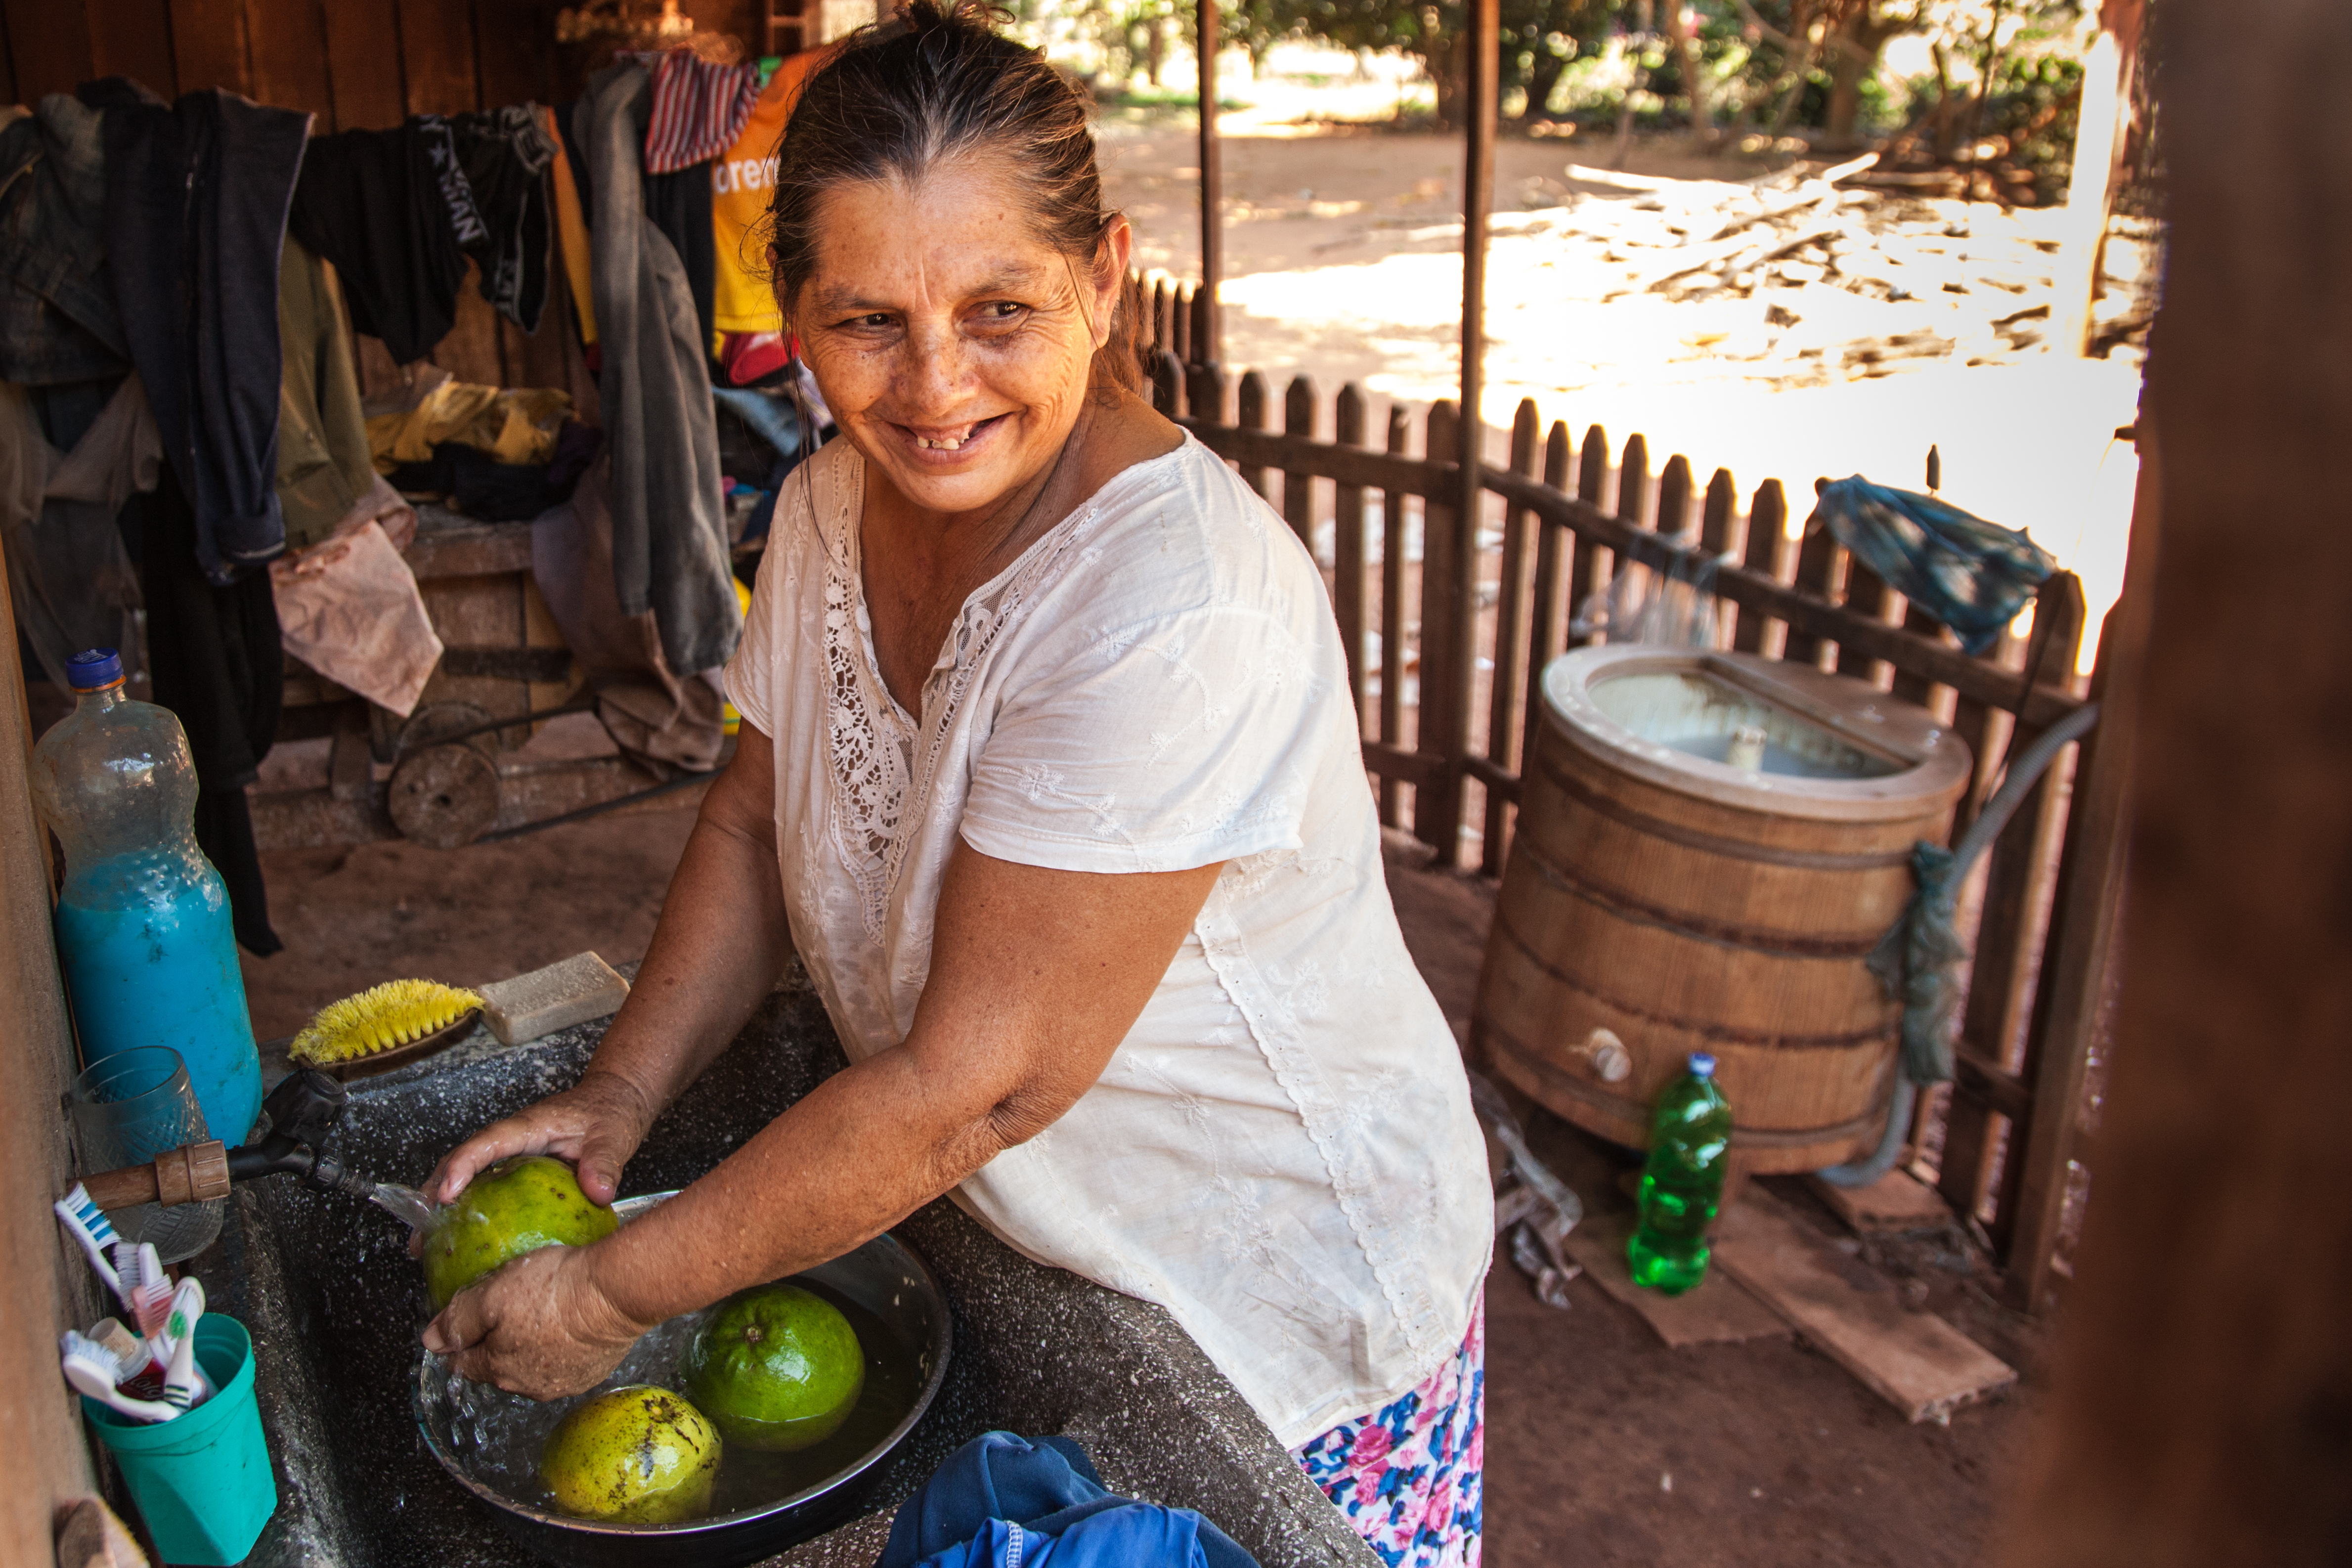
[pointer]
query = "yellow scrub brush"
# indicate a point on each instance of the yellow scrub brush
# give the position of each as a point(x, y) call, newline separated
point(383, 1018)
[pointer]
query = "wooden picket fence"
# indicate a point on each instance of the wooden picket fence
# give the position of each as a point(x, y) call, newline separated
point(1445, 737)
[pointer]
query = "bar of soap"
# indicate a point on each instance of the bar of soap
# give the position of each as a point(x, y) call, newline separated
point(575, 991)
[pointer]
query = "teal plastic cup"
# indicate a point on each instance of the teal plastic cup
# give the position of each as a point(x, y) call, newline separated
point(202, 1481)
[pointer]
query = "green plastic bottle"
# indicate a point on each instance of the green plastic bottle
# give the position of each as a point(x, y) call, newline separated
point(1682, 1181)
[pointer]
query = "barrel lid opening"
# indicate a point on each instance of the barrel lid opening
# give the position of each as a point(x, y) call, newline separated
point(1754, 733)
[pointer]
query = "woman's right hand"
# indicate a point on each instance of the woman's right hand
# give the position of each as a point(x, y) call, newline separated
point(596, 1124)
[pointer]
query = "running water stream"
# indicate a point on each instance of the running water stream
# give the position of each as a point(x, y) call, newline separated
point(411, 1206)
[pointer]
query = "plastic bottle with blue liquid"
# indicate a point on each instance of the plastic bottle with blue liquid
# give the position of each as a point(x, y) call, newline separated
point(142, 922)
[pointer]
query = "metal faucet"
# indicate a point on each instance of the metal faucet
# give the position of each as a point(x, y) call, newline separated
point(302, 1110)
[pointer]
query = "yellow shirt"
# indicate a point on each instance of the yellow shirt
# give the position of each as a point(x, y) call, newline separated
point(742, 185)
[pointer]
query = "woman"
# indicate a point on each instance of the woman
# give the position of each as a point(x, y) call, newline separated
point(1049, 773)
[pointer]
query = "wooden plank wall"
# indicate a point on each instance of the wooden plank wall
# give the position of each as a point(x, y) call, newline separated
point(356, 64)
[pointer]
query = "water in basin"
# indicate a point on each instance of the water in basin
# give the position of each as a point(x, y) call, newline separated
point(497, 1436)
point(1701, 716)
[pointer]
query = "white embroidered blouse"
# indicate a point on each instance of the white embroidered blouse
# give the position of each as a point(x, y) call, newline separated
point(1282, 1151)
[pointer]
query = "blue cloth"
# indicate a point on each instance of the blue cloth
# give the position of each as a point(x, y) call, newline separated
point(1007, 1503)
point(772, 418)
point(196, 197)
point(1970, 574)
point(58, 321)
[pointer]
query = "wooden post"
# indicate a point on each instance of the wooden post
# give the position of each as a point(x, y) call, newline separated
point(2089, 191)
point(1298, 412)
point(1587, 561)
point(1438, 731)
point(1766, 551)
point(1208, 338)
point(1348, 549)
point(2071, 990)
point(1478, 104)
point(2203, 1406)
point(44, 1281)
point(1547, 614)
point(1510, 648)
point(1252, 416)
point(1392, 505)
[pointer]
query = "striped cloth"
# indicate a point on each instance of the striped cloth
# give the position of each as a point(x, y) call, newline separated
point(698, 111)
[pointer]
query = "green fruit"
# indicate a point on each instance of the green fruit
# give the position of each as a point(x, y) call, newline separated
point(638, 1455)
point(518, 1205)
point(777, 1368)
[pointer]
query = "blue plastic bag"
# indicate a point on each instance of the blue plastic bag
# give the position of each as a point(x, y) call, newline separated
point(1970, 574)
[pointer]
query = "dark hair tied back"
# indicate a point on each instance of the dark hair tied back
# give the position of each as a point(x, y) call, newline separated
point(935, 83)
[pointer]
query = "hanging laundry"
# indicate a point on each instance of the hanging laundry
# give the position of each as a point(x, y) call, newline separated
point(324, 467)
point(218, 664)
point(517, 426)
point(752, 357)
point(378, 204)
point(679, 206)
point(504, 153)
point(699, 109)
point(70, 575)
point(742, 183)
point(351, 610)
point(58, 321)
point(650, 713)
point(470, 481)
point(571, 228)
point(196, 197)
point(669, 540)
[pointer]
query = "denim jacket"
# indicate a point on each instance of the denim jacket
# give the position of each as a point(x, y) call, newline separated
point(58, 321)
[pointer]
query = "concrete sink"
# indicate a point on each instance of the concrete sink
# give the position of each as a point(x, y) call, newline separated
point(324, 1283)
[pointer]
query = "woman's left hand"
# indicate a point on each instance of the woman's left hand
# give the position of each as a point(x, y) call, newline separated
point(538, 1327)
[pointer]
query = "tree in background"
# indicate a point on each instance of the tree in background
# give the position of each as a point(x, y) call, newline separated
point(1724, 66)
point(1539, 37)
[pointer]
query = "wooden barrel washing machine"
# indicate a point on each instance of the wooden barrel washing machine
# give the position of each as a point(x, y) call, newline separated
point(1709, 846)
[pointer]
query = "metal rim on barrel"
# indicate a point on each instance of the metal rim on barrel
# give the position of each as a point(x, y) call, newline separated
point(1926, 759)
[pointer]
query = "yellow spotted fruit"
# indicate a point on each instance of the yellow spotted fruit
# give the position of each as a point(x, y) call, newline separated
point(777, 1367)
point(518, 1205)
point(638, 1455)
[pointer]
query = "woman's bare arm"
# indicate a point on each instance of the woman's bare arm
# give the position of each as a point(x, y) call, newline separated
point(721, 941)
point(1035, 977)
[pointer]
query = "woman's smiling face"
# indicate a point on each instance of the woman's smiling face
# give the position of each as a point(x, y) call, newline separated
point(954, 345)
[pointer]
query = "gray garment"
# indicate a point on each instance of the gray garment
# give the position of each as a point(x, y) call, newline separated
point(669, 530)
point(650, 713)
point(70, 578)
point(58, 321)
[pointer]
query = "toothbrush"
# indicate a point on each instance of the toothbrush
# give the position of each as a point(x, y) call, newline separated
point(93, 1233)
point(91, 1369)
point(186, 1386)
point(184, 1382)
point(151, 1295)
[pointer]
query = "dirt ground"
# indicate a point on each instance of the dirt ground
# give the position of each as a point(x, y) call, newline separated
point(1605, 1447)
point(1914, 325)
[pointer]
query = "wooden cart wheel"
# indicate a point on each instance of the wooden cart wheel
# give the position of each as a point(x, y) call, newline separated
point(445, 795)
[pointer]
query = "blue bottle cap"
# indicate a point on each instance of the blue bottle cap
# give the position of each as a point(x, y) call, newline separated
point(1701, 1064)
point(94, 669)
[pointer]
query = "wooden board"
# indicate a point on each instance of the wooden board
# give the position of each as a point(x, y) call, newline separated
point(1717, 1311)
point(133, 38)
point(1915, 1360)
point(1897, 1201)
point(364, 59)
point(209, 45)
point(286, 41)
point(49, 41)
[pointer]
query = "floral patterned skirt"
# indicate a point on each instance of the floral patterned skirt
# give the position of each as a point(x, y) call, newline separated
point(1409, 1476)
